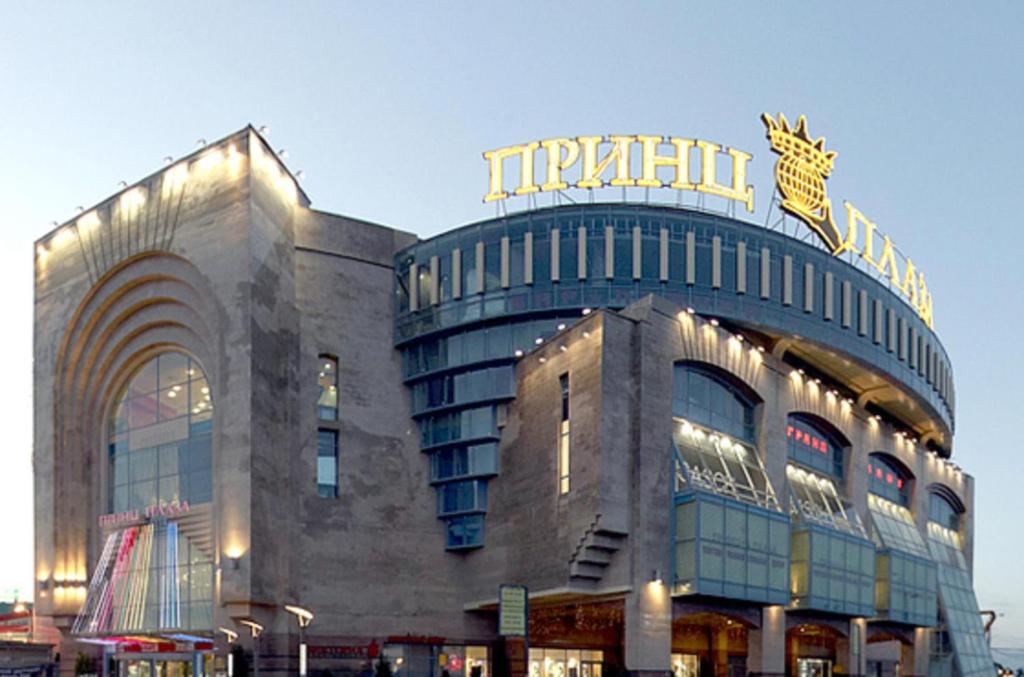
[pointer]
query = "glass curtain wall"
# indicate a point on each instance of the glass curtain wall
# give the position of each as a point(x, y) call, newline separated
point(956, 591)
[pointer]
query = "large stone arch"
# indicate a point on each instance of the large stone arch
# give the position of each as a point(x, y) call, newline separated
point(147, 304)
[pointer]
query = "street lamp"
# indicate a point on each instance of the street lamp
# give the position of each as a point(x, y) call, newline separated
point(304, 617)
point(256, 630)
point(231, 636)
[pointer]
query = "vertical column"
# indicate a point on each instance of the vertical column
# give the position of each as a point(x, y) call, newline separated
point(528, 258)
point(581, 252)
point(766, 273)
point(479, 267)
point(850, 650)
point(663, 255)
point(414, 288)
point(922, 653)
point(716, 262)
point(456, 273)
point(648, 630)
point(766, 646)
point(609, 252)
point(808, 287)
point(637, 252)
point(555, 255)
point(691, 258)
point(741, 267)
point(504, 261)
point(787, 280)
point(435, 280)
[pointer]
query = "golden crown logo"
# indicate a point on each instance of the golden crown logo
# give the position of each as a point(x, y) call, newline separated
point(800, 174)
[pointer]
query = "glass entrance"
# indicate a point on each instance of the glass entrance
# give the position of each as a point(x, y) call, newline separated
point(813, 667)
point(685, 665)
point(565, 663)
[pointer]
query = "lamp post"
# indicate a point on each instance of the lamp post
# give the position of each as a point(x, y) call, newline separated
point(256, 630)
point(232, 636)
point(304, 617)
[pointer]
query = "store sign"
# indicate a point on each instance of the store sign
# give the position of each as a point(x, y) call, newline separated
point(173, 509)
point(600, 161)
point(512, 610)
point(800, 174)
point(341, 651)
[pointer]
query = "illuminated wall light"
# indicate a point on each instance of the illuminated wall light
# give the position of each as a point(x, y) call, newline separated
point(543, 360)
point(587, 311)
point(690, 310)
point(87, 222)
point(561, 327)
point(738, 338)
point(563, 348)
point(794, 376)
point(714, 322)
point(539, 340)
point(518, 353)
point(760, 349)
point(201, 143)
point(168, 160)
point(586, 334)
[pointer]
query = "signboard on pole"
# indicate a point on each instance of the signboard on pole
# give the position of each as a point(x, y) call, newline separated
point(512, 610)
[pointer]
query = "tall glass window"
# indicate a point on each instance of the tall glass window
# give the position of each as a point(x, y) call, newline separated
point(941, 511)
point(563, 437)
point(327, 463)
point(160, 436)
point(327, 401)
point(813, 445)
point(888, 480)
point(703, 397)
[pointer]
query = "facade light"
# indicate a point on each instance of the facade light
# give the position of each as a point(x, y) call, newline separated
point(586, 311)
point(690, 310)
point(201, 143)
point(561, 326)
point(539, 340)
point(518, 353)
point(714, 322)
point(168, 160)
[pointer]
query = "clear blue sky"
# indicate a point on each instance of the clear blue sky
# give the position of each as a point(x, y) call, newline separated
point(387, 106)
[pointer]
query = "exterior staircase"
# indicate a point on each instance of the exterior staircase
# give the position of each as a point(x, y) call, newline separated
point(593, 554)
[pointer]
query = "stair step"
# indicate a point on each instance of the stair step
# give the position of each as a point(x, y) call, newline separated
point(586, 570)
point(591, 555)
point(605, 541)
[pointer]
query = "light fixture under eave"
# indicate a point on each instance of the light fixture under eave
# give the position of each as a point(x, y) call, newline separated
point(304, 615)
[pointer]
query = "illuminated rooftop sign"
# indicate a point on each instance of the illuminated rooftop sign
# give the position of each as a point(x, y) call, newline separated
point(800, 174)
point(668, 162)
point(583, 157)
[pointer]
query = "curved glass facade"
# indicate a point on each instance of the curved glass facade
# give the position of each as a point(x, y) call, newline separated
point(469, 301)
point(160, 436)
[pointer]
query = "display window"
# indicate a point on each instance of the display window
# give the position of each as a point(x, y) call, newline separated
point(565, 663)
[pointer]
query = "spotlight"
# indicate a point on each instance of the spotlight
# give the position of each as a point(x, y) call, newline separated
point(201, 143)
point(168, 160)
point(283, 154)
point(264, 130)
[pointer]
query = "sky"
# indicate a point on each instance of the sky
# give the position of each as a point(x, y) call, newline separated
point(387, 106)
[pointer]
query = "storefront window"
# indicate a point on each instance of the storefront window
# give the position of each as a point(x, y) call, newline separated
point(685, 665)
point(464, 661)
point(160, 436)
point(565, 663)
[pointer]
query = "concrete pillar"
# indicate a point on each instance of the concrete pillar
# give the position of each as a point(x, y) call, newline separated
point(850, 650)
point(720, 651)
point(922, 653)
point(648, 631)
point(766, 646)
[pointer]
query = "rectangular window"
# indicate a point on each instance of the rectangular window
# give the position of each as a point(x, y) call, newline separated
point(563, 437)
point(327, 463)
point(327, 400)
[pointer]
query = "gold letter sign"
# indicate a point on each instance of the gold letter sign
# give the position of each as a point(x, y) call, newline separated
point(800, 174)
point(612, 166)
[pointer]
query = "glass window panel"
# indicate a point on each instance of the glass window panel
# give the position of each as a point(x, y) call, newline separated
point(168, 490)
point(144, 380)
point(143, 464)
point(327, 385)
point(173, 369)
point(143, 494)
point(173, 403)
point(142, 411)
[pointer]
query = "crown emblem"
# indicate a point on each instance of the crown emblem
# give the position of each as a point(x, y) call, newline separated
point(800, 174)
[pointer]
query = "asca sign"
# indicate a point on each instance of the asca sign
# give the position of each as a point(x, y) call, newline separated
point(665, 162)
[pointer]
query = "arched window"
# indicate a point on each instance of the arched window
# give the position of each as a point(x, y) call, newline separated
point(889, 480)
point(160, 436)
point(814, 445)
point(706, 398)
point(327, 401)
point(944, 509)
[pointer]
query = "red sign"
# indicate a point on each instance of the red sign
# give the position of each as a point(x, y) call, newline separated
point(173, 509)
point(807, 439)
point(371, 650)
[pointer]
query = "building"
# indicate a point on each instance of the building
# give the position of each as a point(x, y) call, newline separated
point(703, 445)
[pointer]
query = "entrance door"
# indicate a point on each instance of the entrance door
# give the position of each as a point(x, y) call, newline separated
point(813, 667)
